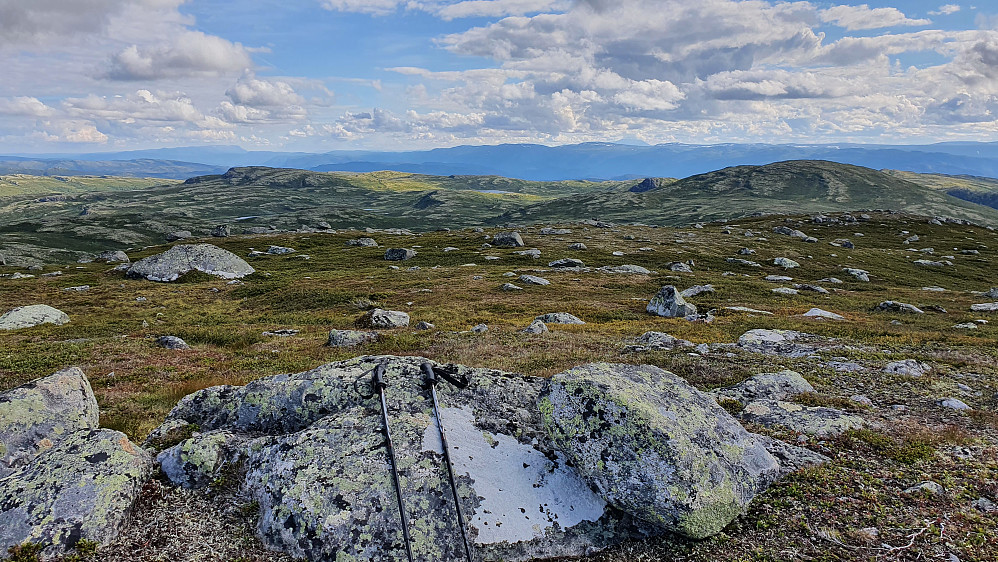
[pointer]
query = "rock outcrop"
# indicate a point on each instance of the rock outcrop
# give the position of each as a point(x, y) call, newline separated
point(62, 479)
point(380, 319)
point(670, 303)
point(31, 316)
point(185, 258)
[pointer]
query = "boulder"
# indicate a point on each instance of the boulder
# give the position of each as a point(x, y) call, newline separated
point(785, 263)
point(507, 240)
point(670, 304)
point(785, 343)
point(908, 368)
point(36, 416)
point(399, 254)
point(280, 250)
point(559, 318)
point(364, 242)
point(680, 267)
point(820, 314)
point(555, 231)
point(627, 269)
point(659, 341)
point(655, 447)
point(311, 452)
point(222, 231)
point(171, 342)
point(697, 290)
point(380, 319)
point(533, 280)
point(178, 235)
point(567, 262)
point(184, 258)
point(772, 386)
point(536, 327)
point(900, 307)
point(532, 253)
point(815, 421)
point(113, 256)
point(577, 246)
point(32, 315)
point(985, 307)
point(510, 287)
point(954, 404)
point(859, 274)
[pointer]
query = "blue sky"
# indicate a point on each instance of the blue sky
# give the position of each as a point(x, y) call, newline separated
point(314, 75)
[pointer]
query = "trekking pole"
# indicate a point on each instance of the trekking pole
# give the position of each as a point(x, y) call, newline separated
point(379, 384)
point(431, 380)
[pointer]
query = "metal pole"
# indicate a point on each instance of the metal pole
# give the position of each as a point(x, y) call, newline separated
point(380, 384)
point(431, 378)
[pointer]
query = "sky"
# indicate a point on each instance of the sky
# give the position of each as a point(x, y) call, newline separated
point(318, 75)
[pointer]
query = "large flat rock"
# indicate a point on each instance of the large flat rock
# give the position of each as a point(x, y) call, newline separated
point(184, 258)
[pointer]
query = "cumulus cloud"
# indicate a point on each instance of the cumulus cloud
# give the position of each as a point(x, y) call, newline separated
point(71, 131)
point(192, 53)
point(34, 21)
point(26, 106)
point(863, 17)
point(143, 106)
point(946, 10)
point(449, 9)
point(376, 7)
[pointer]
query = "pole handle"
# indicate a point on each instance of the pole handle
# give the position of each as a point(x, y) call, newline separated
point(447, 373)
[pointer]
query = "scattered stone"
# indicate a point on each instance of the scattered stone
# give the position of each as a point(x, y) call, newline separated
point(222, 231)
point(113, 256)
point(659, 341)
point(679, 267)
point(667, 436)
point(617, 253)
point(908, 368)
point(985, 505)
point(399, 254)
point(364, 242)
point(533, 253)
point(986, 307)
point(861, 399)
point(31, 316)
point(934, 289)
point(954, 404)
point(748, 310)
point(178, 235)
point(533, 280)
point(859, 274)
point(845, 366)
point(900, 307)
point(815, 421)
point(670, 304)
point(771, 386)
point(480, 328)
point(511, 287)
point(627, 270)
point(559, 318)
point(832, 280)
point(554, 231)
point(697, 290)
point(966, 326)
point(171, 342)
point(786, 291)
point(843, 243)
point(746, 252)
point(536, 327)
point(425, 326)
point(566, 262)
point(507, 240)
point(811, 288)
point(52, 274)
point(775, 342)
point(78, 288)
point(778, 278)
point(927, 487)
point(785, 263)
point(350, 338)
point(930, 263)
point(794, 233)
point(282, 333)
point(178, 260)
point(577, 246)
point(280, 250)
point(380, 319)
point(743, 262)
point(824, 314)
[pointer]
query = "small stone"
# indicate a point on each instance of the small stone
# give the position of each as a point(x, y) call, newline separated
point(536, 327)
point(861, 399)
point(894, 306)
point(819, 313)
point(567, 262)
point(424, 325)
point(670, 303)
point(697, 290)
point(534, 280)
point(171, 342)
point(954, 404)
point(280, 250)
point(559, 318)
point(507, 240)
point(399, 254)
point(927, 487)
point(383, 319)
point(364, 242)
point(908, 367)
point(785, 263)
point(178, 235)
point(350, 338)
point(511, 287)
point(786, 291)
point(480, 328)
point(778, 278)
point(746, 252)
point(577, 246)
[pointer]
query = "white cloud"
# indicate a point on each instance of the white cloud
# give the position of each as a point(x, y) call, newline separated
point(143, 106)
point(946, 10)
point(26, 106)
point(376, 7)
point(71, 131)
point(449, 9)
point(255, 92)
point(192, 53)
point(863, 17)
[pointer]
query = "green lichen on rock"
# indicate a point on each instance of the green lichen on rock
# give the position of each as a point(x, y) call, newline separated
point(811, 420)
point(656, 447)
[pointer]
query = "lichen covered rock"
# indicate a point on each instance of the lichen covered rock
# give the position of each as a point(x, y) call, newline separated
point(350, 338)
point(670, 303)
point(810, 420)
point(656, 447)
point(774, 386)
point(31, 316)
point(184, 258)
point(380, 319)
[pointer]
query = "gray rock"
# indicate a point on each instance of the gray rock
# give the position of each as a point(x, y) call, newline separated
point(985, 307)
point(31, 316)
point(815, 421)
point(363, 242)
point(908, 368)
point(785, 343)
point(280, 250)
point(281, 333)
point(314, 460)
point(399, 254)
point(559, 318)
point(178, 260)
point(196, 461)
point(567, 262)
point(771, 386)
point(930, 263)
point(811, 288)
point(786, 291)
point(791, 457)
point(507, 240)
point(823, 314)
point(843, 243)
point(178, 235)
point(380, 319)
point(859, 274)
point(778, 279)
point(533, 280)
point(425, 326)
point(672, 457)
point(697, 290)
point(536, 327)
point(577, 246)
point(992, 293)
point(746, 263)
point(794, 233)
point(554, 231)
point(533, 253)
point(511, 287)
point(785, 263)
point(679, 267)
point(350, 338)
point(928, 487)
point(862, 399)
point(113, 256)
point(171, 342)
point(83, 487)
point(900, 307)
point(626, 269)
point(966, 326)
point(746, 252)
point(954, 404)
point(985, 505)
point(660, 341)
point(748, 310)
point(222, 231)
point(670, 304)
point(78, 288)
point(36, 416)
point(480, 328)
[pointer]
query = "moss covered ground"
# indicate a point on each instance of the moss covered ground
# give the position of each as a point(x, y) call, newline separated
point(823, 513)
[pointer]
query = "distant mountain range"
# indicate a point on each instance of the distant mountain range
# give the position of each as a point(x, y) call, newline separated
point(588, 161)
point(73, 221)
